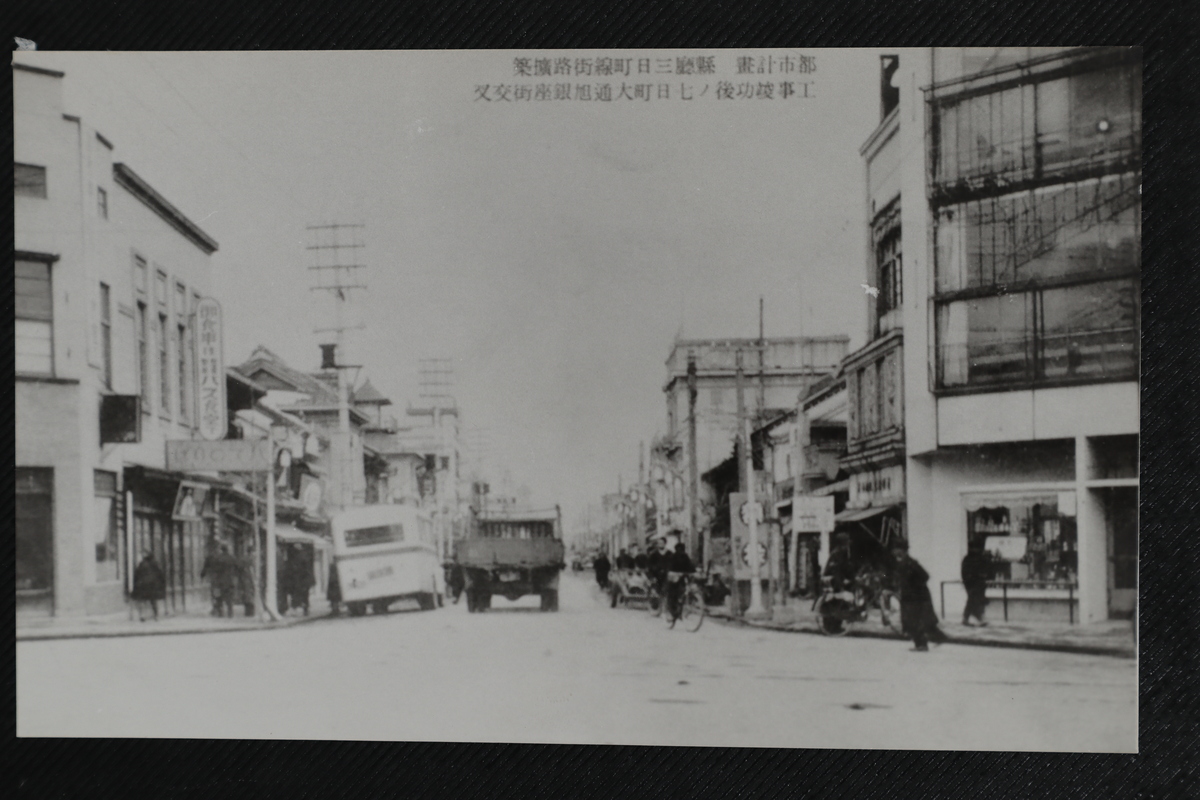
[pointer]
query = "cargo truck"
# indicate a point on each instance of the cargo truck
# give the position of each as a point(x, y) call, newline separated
point(511, 553)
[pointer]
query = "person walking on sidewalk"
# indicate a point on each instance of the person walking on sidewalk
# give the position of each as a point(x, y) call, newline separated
point(917, 617)
point(975, 577)
point(300, 577)
point(245, 583)
point(333, 590)
point(149, 585)
point(221, 570)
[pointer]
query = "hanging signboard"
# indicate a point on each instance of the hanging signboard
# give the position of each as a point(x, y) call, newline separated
point(189, 501)
point(812, 514)
point(228, 455)
point(210, 371)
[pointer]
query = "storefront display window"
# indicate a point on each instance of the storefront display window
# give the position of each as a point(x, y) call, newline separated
point(1027, 538)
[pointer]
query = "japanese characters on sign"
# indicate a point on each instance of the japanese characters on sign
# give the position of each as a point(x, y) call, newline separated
point(659, 78)
point(210, 366)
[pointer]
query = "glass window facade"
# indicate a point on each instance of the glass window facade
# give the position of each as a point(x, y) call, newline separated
point(1036, 192)
point(1027, 538)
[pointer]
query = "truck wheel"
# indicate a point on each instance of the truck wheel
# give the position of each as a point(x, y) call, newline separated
point(550, 600)
point(427, 601)
point(381, 607)
point(486, 601)
point(356, 609)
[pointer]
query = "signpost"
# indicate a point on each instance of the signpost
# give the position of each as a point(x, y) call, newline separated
point(210, 371)
point(812, 514)
point(748, 556)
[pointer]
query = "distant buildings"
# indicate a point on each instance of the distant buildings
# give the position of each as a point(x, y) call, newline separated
point(774, 373)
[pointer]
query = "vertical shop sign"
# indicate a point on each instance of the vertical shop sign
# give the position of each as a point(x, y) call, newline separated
point(210, 364)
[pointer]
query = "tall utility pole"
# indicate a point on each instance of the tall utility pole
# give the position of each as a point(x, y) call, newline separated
point(337, 272)
point(741, 417)
point(762, 377)
point(640, 496)
point(693, 469)
point(437, 381)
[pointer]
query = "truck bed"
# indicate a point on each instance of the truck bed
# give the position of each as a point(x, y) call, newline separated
point(483, 552)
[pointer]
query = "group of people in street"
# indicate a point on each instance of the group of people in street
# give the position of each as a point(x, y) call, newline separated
point(910, 580)
point(231, 581)
point(657, 566)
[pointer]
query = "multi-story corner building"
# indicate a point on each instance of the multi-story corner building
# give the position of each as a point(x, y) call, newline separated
point(108, 277)
point(1010, 180)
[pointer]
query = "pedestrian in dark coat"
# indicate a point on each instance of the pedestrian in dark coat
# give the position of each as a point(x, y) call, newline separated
point(149, 585)
point(333, 592)
point(221, 570)
point(917, 616)
point(975, 577)
point(245, 584)
point(300, 577)
point(624, 560)
point(678, 565)
point(602, 567)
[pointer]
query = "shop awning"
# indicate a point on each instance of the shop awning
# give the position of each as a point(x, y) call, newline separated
point(833, 488)
point(297, 536)
point(859, 514)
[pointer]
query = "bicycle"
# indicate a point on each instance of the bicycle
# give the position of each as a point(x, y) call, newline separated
point(654, 598)
point(870, 593)
point(689, 607)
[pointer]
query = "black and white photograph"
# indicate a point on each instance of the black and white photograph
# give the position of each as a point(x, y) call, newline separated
point(750, 398)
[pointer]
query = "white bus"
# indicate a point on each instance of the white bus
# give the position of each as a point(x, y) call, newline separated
point(385, 553)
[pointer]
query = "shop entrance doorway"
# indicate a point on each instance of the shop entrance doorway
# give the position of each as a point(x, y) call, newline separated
point(35, 540)
point(1121, 521)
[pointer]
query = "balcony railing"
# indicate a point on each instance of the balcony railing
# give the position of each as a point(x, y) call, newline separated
point(1062, 358)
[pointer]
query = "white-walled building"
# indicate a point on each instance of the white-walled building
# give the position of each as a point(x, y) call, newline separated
point(108, 275)
point(1016, 173)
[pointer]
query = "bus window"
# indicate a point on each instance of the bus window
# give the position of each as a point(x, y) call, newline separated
point(378, 534)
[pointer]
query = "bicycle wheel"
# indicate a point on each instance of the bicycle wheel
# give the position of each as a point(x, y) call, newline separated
point(889, 609)
point(654, 603)
point(831, 622)
point(693, 610)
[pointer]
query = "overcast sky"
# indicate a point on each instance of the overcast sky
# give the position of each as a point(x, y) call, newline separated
point(553, 249)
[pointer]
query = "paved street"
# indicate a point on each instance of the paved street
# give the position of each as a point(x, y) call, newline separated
point(586, 674)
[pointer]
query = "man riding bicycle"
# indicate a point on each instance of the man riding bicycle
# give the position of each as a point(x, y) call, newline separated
point(678, 566)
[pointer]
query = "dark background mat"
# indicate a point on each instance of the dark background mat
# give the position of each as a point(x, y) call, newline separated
point(1169, 601)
